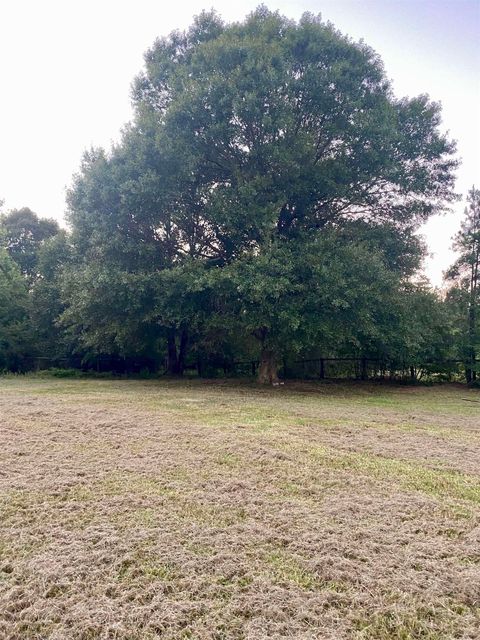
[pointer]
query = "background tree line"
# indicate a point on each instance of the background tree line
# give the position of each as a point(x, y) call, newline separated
point(262, 204)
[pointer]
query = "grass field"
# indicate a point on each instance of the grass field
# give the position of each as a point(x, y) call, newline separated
point(195, 510)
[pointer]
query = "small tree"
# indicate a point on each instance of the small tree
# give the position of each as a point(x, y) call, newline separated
point(14, 307)
point(23, 233)
point(465, 273)
point(53, 257)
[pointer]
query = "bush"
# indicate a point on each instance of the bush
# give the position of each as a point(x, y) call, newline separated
point(59, 373)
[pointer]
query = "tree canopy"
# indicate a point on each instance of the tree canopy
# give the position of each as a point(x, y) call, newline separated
point(23, 235)
point(263, 203)
point(274, 156)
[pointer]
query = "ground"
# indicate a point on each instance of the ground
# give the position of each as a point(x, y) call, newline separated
point(219, 510)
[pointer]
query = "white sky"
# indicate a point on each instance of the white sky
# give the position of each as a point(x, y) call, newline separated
point(66, 68)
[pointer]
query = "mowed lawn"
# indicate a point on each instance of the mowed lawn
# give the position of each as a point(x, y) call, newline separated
point(218, 510)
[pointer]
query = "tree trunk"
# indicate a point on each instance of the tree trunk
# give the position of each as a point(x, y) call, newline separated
point(176, 358)
point(363, 371)
point(322, 369)
point(268, 369)
point(472, 321)
point(468, 374)
point(172, 360)
point(182, 352)
point(471, 335)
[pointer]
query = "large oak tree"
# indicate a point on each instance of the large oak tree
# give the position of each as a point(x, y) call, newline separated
point(251, 140)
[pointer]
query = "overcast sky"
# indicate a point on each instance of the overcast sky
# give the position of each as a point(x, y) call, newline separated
point(66, 68)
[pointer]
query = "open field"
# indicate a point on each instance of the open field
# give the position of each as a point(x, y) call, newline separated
point(140, 510)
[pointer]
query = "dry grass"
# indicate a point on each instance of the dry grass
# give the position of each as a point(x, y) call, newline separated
point(140, 510)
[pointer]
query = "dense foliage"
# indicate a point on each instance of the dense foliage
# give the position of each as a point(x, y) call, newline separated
point(262, 205)
point(464, 294)
point(14, 310)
